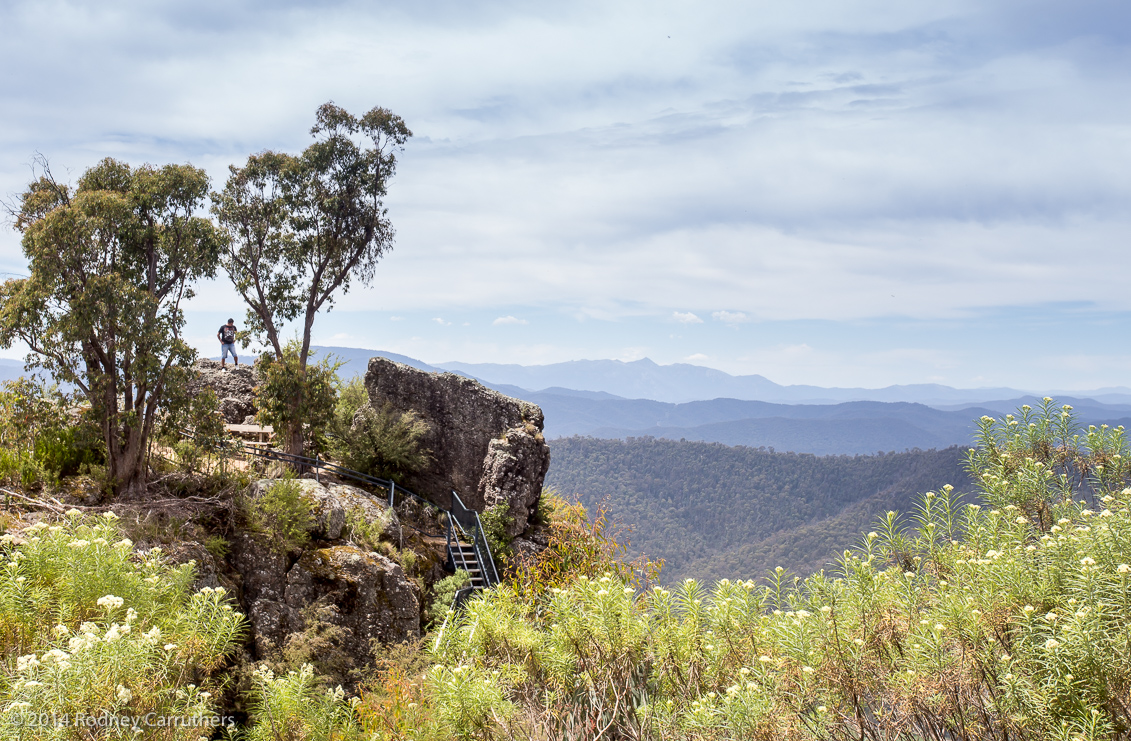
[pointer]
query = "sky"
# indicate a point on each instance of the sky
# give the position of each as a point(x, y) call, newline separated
point(841, 193)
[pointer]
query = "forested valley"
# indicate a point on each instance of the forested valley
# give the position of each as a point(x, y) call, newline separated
point(711, 511)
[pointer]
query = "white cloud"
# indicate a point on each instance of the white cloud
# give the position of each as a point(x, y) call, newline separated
point(396, 319)
point(441, 321)
point(865, 160)
point(509, 320)
point(686, 317)
point(697, 357)
point(729, 317)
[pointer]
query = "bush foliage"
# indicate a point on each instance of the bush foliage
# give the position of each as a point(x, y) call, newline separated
point(380, 442)
point(282, 515)
point(44, 435)
point(90, 627)
point(1008, 619)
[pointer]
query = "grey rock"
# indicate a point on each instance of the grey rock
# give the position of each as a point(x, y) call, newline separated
point(464, 417)
point(362, 594)
point(513, 471)
point(233, 385)
point(236, 411)
point(369, 595)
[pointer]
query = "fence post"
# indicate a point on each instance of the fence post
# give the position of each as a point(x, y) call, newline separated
point(392, 492)
point(316, 469)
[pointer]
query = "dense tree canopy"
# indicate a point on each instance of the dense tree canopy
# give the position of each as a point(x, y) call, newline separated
point(715, 511)
point(110, 262)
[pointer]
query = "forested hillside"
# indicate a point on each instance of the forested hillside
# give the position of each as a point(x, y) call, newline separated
point(713, 511)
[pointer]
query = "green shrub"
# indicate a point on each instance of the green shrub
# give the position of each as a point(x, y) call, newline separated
point(218, 546)
point(363, 531)
point(495, 521)
point(89, 626)
point(384, 444)
point(294, 706)
point(199, 414)
point(443, 594)
point(42, 438)
point(352, 396)
point(293, 399)
point(65, 451)
point(283, 515)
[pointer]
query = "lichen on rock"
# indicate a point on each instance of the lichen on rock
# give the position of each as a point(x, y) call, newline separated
point(364, 596)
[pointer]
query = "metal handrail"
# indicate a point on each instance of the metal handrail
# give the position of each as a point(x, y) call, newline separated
point(317, 464)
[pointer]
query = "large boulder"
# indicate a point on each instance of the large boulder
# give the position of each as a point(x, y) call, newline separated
point(486, 446)
point(233, 385)
point(331, 588)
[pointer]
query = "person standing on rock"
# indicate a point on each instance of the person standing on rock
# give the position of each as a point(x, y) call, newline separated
point(227, 337)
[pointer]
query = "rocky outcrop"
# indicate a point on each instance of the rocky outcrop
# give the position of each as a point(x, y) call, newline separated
point(485, 445)
point(233, 385)
point(332, 588)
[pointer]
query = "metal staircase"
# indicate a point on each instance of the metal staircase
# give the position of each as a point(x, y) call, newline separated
point(468, 550)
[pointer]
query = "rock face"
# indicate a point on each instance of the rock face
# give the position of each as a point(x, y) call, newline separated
point(234, 387)
point(330, 588)
point(486, 446)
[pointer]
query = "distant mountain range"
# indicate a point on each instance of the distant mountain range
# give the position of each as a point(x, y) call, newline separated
point(680, 382)
point(848, 427)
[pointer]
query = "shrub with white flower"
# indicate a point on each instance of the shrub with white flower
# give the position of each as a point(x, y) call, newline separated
point(82, 628)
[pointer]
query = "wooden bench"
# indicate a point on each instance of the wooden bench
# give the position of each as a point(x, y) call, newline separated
point(260, 434)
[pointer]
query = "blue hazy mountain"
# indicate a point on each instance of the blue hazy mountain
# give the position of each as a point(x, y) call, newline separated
point(680, 382)
point(10, 370)
point(823, 429)
point(608, 404)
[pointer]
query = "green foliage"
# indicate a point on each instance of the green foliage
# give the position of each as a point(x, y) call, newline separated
point(294, 706)
point(42, 436)
point(218, 546)
point(198, 413)
point(959, 621)
point(1002, 620)
point(711, 511)
point(111, 260)
point(88, 626)
point(580, 545)
point(304, 229)
point(352, 396)
point(365, 532)
point(495, 521)
point(65, 451)
point(282, 515)
point(444, 593)
point(295, 398)
point(383, 443)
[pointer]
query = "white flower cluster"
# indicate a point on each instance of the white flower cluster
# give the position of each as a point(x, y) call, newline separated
point(110, 603)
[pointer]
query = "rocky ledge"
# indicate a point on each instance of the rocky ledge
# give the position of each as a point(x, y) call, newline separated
point(234, 386)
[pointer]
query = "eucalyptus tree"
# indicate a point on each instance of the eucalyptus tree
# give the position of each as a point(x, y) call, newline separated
point(305, 229)
point(110, 263)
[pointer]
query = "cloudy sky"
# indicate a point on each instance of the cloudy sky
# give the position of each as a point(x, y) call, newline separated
point(839, 193)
